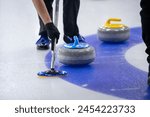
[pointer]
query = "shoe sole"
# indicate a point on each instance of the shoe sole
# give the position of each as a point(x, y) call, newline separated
point(43, 47)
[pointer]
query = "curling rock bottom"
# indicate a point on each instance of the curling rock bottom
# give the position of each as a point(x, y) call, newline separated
point(76, 56)
point(113, 35)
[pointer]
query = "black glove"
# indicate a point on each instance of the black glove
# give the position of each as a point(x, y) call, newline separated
point(52, 32)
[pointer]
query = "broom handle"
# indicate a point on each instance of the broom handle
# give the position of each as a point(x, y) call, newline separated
point(53, 44)
point(56, 13)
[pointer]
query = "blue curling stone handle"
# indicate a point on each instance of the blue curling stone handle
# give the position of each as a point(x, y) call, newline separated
point(76, 44)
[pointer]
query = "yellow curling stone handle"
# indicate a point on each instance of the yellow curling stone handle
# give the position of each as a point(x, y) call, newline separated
point(108, 23)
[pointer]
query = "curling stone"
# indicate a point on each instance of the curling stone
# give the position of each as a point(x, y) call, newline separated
point(113, 32)
point(76, 53)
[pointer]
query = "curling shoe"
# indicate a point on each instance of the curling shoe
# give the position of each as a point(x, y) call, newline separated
point(43, 43)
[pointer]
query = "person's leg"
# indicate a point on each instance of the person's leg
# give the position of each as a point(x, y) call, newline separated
point(145, 19)
point(48, 4)
point(70, 14)
point(43, 42)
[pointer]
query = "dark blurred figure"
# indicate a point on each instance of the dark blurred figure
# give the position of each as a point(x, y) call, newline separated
point(145, 19)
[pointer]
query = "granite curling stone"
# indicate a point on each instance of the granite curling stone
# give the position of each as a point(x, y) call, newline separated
point(76, 53)
point(113, 32)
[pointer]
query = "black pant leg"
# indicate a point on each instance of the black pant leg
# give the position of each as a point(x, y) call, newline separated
point(145, 19)
point(70, 14)
point(48, 4)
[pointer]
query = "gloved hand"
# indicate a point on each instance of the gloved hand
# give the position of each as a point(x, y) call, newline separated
point(52, 32)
